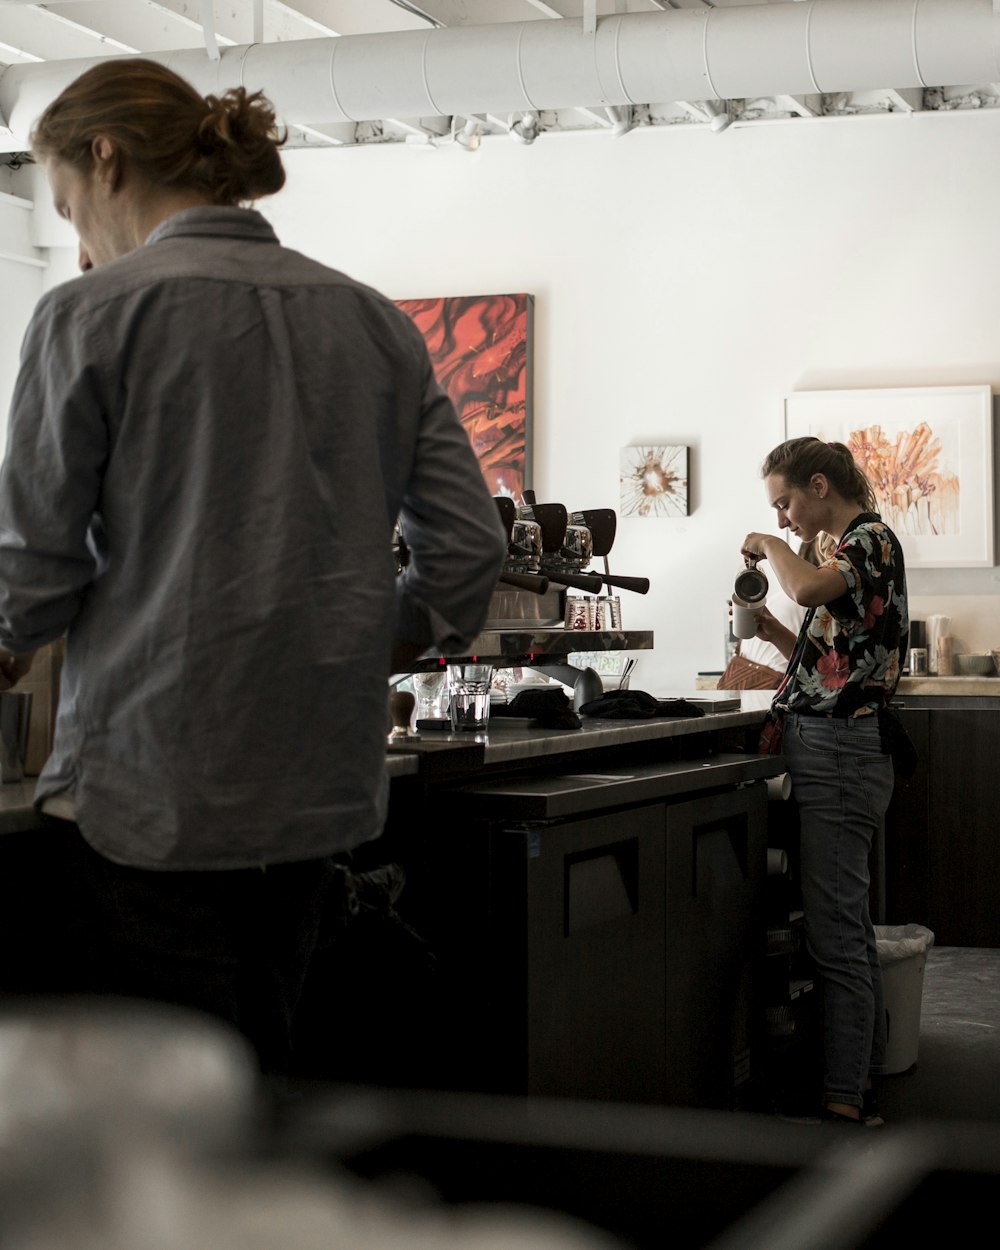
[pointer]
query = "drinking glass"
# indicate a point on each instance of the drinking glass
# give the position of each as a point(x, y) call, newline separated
point(469, 687)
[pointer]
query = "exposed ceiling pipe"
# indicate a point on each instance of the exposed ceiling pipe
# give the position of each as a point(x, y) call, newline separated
point(811, 47)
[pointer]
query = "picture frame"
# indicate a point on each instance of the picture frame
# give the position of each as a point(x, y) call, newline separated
point(482, 350)
point(653, 480)
point(928, 452)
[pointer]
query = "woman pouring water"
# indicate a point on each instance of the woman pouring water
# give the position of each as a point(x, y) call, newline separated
point(844, 666)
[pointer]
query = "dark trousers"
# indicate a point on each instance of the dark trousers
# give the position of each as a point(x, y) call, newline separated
point(235, 944)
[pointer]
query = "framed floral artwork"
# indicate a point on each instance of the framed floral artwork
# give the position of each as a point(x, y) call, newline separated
point(928, 453)
point(654, 481)
point(481, 349)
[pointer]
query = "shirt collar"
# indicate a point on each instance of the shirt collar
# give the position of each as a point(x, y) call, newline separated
point(233, 223)
point(863, 518)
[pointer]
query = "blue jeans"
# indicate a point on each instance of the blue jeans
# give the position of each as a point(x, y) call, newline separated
point(842, 784)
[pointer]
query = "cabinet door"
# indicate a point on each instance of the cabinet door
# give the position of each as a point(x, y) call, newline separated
point(907, 890)
point(610, 957)
point(964, 857)
point(716, 941)
point(594, 957)
point(549, 943)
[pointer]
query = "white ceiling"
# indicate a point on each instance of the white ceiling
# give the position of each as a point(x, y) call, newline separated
point(74, 29)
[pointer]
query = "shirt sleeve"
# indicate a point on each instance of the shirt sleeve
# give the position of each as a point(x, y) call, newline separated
point(50, 480)
point(865, 561)
point(452, 528)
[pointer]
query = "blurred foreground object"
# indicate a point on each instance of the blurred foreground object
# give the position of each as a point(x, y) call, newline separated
point(127, 1126)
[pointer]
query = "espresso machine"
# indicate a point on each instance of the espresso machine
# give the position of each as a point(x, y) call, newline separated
point(552, 552)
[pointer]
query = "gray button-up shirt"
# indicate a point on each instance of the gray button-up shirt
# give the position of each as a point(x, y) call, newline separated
point(210, 441)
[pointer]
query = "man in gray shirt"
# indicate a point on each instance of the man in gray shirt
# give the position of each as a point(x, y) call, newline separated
point(211, 438)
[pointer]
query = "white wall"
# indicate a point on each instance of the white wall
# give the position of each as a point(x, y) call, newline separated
point(685, 282)
point(22, 271)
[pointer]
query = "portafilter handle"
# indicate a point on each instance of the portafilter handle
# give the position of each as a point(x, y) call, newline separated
point(535, 582)
point(640, 585)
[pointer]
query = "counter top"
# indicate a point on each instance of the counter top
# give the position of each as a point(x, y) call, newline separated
point(978, 686)
point(989, 686)
point(508, 742)
point(435, 756)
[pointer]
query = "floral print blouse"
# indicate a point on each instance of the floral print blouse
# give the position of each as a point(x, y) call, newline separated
point(849, 653)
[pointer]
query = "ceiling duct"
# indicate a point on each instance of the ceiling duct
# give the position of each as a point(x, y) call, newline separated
point(810, 47)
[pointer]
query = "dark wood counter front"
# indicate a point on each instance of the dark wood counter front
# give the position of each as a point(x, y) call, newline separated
point(593, 900)
point(581, 917)
point(942, 853)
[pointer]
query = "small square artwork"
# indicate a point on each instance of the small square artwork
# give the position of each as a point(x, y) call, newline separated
point(654, 481)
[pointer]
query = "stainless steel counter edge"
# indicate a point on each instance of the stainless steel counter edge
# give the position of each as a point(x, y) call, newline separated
point(985, 686)
point(505, 743)
point(508, 744)
point(556, 796)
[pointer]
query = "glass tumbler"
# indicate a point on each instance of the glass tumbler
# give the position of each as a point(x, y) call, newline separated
point(469, 687)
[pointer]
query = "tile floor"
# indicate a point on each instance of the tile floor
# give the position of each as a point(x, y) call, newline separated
point(957, 1073)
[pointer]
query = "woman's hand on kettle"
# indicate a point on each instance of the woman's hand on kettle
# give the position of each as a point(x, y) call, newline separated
point(754, 546)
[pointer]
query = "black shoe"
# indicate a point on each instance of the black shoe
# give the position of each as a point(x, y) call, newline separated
point(870, 1114)
point(827, 1116)
point(823, 1116)
point(869, 1118)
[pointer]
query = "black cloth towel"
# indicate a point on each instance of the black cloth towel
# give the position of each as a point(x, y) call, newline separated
point(550, 707)
point(637, 705)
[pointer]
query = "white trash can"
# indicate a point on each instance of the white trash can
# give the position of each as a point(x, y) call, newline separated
point(902, 954)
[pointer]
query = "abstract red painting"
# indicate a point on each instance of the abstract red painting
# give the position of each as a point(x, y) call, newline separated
point(481, 348)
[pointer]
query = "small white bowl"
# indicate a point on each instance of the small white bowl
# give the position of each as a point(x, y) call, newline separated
point(983, 665)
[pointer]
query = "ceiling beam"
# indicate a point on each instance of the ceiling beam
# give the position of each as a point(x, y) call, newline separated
point(49, 35)
point(336, 134)
point(575, 8)
point(10, 55)
point(138, 27)
point(457, 13)
point(798, 104)
point(234, 22)
point(598, 116)
point(907, 99)
point(348, 17)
